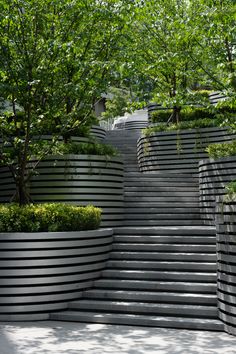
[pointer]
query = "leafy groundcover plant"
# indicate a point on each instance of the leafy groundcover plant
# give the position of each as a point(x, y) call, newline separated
point(89, 148)
point(220, 150)
point(231, 191)
point(48, 217)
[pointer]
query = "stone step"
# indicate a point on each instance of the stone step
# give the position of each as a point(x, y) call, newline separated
point(190, 287)
point(162, 175)
point(164, 199)
point(168, 240)
point(177, 223)
point(152, 296)
point(148, 215)
point(162, 205)
point(169, 230)
point(199, 311)
point(162, 265)
point(159, 275)
point(163, 256)
point(139, 320)
point(164, 247)
point(162, 210)
point(155, 193)
point(157, 188)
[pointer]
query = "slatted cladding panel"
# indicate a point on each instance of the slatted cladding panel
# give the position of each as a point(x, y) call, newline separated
point(177, 151)
point(76, 179)
point(214, 175)
point(41, 272)
point(226, 256)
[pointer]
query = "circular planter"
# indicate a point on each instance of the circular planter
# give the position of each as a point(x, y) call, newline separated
point(213, 176)
point(226, 257)
point(98, 132)
point(177, 152)
point(76, 179)
point(41, 272)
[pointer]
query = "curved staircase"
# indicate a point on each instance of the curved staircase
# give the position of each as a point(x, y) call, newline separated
point(162, 269)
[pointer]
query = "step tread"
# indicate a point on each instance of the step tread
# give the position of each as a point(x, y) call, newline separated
point(142, 320)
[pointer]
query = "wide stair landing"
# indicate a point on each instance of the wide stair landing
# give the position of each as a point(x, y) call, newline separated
point(162, 269)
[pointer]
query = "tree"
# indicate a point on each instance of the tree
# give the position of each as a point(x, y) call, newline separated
point(56, 59)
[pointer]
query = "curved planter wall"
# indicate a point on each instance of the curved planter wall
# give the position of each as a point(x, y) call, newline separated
point(77, 179)
point(41, 272)
point(226, 256)
point(213, 176)
point(98, 132)
point(177, 152)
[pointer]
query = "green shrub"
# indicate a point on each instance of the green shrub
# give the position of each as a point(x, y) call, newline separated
point(194, 124)
point(48, 217)
point(186, 114)
point(231, 189)
point(84, 149)
point(219, 150)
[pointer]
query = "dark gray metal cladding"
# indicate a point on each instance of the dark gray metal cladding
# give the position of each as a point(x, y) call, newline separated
point(76, 179)
point(213, 177)
point(226, 256)
point(179, 152)
point(41, 272)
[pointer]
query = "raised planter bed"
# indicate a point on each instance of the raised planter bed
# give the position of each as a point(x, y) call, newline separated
point(77, 179)
point(177, 151)
point(41, 272)
point(226, 256)
point(213, 176)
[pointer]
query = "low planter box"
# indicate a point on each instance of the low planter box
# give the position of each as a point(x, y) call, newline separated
point(76, 179)
point(213, 177)
point(41, 272)
point(226, 265)
point(177, 151)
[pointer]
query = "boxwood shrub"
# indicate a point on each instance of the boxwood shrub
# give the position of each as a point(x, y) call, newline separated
point(48, 217)
point(219, 150)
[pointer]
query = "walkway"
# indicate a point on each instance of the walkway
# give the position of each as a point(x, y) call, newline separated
point(80, 338)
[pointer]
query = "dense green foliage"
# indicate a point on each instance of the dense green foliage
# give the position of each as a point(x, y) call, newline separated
point(48, 217)
point(231, 188)
point(84, 149)
point(56, 59)
point(219, 150)
point(194, 124)
point(187, 114)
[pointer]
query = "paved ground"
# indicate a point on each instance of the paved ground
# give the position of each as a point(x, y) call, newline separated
point(72, 338)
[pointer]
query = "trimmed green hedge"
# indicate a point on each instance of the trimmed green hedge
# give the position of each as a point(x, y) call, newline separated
point(186, 114)
point(50, 217)
point(84, 149)
point(194, 124)
point(219, 150)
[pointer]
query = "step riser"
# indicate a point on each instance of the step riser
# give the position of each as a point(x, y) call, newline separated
point(155, 286)
point(184, 266)
point(149, 256)
point(168, 240)
point(151, 297)
point(136, 322)
point(206, 312)
point(159, 276)
point(164, 248)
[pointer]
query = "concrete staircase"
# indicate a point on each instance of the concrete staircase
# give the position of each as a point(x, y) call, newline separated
point(162, 269)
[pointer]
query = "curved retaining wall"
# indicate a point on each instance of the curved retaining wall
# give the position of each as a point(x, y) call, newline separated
point(41, 272)
point(98, 132)
point(226, 256)
point(77, 179)
point(213, 176)
point(177, 151)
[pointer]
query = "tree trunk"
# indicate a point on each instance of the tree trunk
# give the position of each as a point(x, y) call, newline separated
point(175, 116)
point(22, 195)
